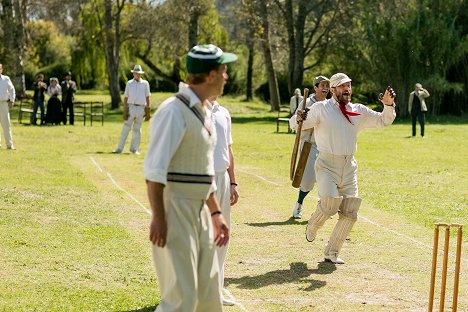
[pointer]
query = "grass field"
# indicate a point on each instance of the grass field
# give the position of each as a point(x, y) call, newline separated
point(73, 220)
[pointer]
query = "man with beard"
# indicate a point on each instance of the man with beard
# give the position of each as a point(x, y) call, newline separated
point(321, 87)
point(336, 124)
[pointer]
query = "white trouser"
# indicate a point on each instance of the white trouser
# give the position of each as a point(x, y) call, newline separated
point(5, 121)
point(308, 177)
point(336, 175)
point(187, 266)
point(136, 114)
point(223, 193)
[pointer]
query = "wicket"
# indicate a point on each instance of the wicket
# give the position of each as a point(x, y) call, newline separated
point(444, 265)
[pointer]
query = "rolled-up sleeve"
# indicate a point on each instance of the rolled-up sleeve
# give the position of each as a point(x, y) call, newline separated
point(167, 130)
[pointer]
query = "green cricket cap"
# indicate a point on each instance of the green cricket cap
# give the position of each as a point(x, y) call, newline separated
point(203, 58)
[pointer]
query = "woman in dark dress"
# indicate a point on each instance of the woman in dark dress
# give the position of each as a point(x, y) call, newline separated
point(54, 105)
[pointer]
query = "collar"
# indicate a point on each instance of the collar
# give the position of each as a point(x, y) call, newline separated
point(185, 90)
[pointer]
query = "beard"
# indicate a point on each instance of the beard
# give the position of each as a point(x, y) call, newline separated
point(344, 97)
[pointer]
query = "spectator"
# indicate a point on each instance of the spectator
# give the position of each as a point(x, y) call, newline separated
point(417, 107)
point(54, 111)
point(39, 87)
point(295, 100)
point(68, 97)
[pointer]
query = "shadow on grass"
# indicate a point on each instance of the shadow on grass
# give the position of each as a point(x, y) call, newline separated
point(290, 221)
point(145, 309)
point(298, 272)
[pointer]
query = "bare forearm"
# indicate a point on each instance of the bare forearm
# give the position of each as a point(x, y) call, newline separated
point(212, 203)
point(156, 198)
point(231, 172)
point(147, 101)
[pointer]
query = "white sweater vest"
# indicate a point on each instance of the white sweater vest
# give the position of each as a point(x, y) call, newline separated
point(191, 169)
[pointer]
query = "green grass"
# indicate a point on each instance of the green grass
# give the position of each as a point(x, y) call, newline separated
point(71, 241)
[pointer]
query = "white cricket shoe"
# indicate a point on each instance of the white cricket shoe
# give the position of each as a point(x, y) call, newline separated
point(297, 211)
point(334, 258)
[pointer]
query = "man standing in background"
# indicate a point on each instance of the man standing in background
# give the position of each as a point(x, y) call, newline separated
point(68, 97)
point(296, 99)
point(417, 107)
point(136, 107)
point(7, 100)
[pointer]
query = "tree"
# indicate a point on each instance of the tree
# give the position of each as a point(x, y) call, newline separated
point(308, 24)
point(13, 15)
point(266, 48)
point(110, 29)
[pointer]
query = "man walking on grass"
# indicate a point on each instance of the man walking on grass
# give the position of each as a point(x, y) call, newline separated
point(336, 124)
point(7, 100)
point(136, 108)
point(187, 221)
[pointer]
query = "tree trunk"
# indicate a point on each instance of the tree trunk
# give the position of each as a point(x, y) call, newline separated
point(112, 50)
point(270, 69)
point(289, 17)
point(249, 86)
point(13, 40)
point(193, 26)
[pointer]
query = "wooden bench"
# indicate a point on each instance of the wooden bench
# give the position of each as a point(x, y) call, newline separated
point(26, 106)
point(282, 120)
point(84, 110)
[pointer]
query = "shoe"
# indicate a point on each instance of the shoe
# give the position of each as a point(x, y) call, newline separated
point(334, 259)
point(135, 152)
point(310, 235)
point(117, 151)
point(11, 147)
point(227, 302)
point(297, 211)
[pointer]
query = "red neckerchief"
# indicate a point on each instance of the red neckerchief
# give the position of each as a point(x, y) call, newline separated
point(345, 112)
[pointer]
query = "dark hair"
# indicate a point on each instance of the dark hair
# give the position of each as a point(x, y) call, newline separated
point(40, 76)
point(199, 78)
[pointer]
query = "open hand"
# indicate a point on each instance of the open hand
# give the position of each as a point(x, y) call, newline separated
point(158, 232)
point(388, 97)
point(221, 230)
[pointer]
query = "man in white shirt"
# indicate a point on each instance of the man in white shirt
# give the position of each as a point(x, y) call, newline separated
point(187, 221)
point(136, 107)
point(226, 186)
point(296, 99)
point(321, 87)
point(7, 100)
point(336, 124)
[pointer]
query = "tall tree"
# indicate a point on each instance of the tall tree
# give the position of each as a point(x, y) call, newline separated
point(110, 26)
point(308, 25)
point(266, 48)
point(13, 16)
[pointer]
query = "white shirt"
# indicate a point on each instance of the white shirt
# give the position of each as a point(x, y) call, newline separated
point(222, 121)
point(168, 126)
point(7, 90)
point(333, 132)
point(295, 103)
point(137, 91)
point(54, 90)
